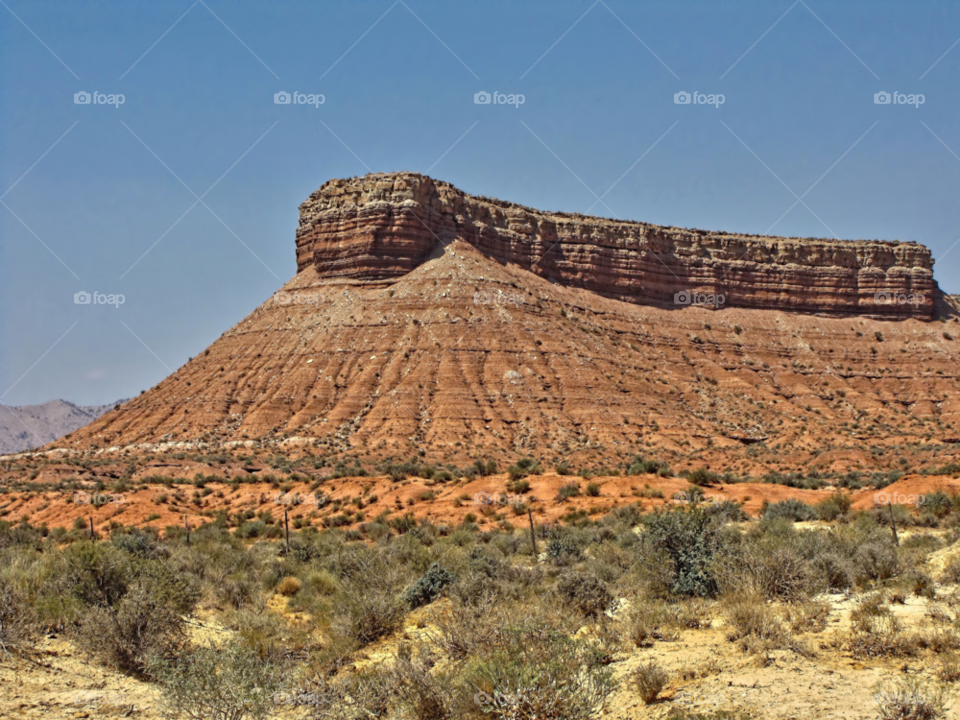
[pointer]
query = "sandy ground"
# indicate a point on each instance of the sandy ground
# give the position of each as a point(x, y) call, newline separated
point(707, 673)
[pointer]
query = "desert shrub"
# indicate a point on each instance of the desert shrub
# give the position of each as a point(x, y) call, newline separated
point(949, 668)
point(776, 569)
point(218, 683)
point(18, 626)
point(518, 486)
point(527, 672)
point(368, 613)
point(236, 590)
point(922, 584)
point(833, 507)
point(269, 635)
point(756, 628)
point(880, 635)
point(727, 511)
point(703, 477)
point(639, 466)
point(593, 489)
point(139, 543)
point(148, 619)
point(251, 529)
point(911, 698)
point(877, 560)
point(806, 617)
point(585, 592)
point(650, 621)
point(428, 587)
point(951, 571)
point(790, 509)
point(524, 467)
point(426, 696)
point(289, 586)
point(648, 680)
point(97, 573)
point(690, 540)
point(568, 490)
point(564, 550)
point(938, 503)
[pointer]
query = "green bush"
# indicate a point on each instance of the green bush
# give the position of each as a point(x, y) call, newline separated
point(790, 509)
point(428, 587)
point(585, 592)
point(218, 683)
point(524, 467)
point(18, 622)
point(147, 620)
point(690, 540)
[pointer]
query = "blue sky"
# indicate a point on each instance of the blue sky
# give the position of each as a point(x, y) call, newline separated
point(103, 198)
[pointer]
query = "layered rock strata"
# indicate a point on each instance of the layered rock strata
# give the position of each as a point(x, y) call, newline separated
point(381, 226)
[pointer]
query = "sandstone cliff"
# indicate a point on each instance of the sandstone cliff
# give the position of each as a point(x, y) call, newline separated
point(381, 226)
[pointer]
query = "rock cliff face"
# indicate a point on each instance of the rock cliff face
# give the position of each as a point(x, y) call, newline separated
point(381, 226)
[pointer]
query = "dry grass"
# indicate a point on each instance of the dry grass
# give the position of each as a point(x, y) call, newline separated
point(911, 699)
point(649, 680)
point(288, 586)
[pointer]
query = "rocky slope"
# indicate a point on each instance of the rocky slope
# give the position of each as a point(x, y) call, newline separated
point(28, 426)
point(382, 226)
point(395, 345)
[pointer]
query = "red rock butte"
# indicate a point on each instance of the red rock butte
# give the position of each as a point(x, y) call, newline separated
point(426, 321)
point(382, 226)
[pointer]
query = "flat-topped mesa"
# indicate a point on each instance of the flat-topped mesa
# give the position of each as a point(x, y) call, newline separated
point(381, 226)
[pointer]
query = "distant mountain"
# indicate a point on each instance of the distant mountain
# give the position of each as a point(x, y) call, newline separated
point(30, 426)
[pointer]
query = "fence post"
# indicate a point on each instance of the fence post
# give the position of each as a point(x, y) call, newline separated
point(533, 537)
point(893, 524)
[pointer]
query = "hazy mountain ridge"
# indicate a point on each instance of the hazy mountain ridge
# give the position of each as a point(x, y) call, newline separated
point(28, 426)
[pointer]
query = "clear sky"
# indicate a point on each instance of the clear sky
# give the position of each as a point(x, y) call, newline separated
point(101, 197)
